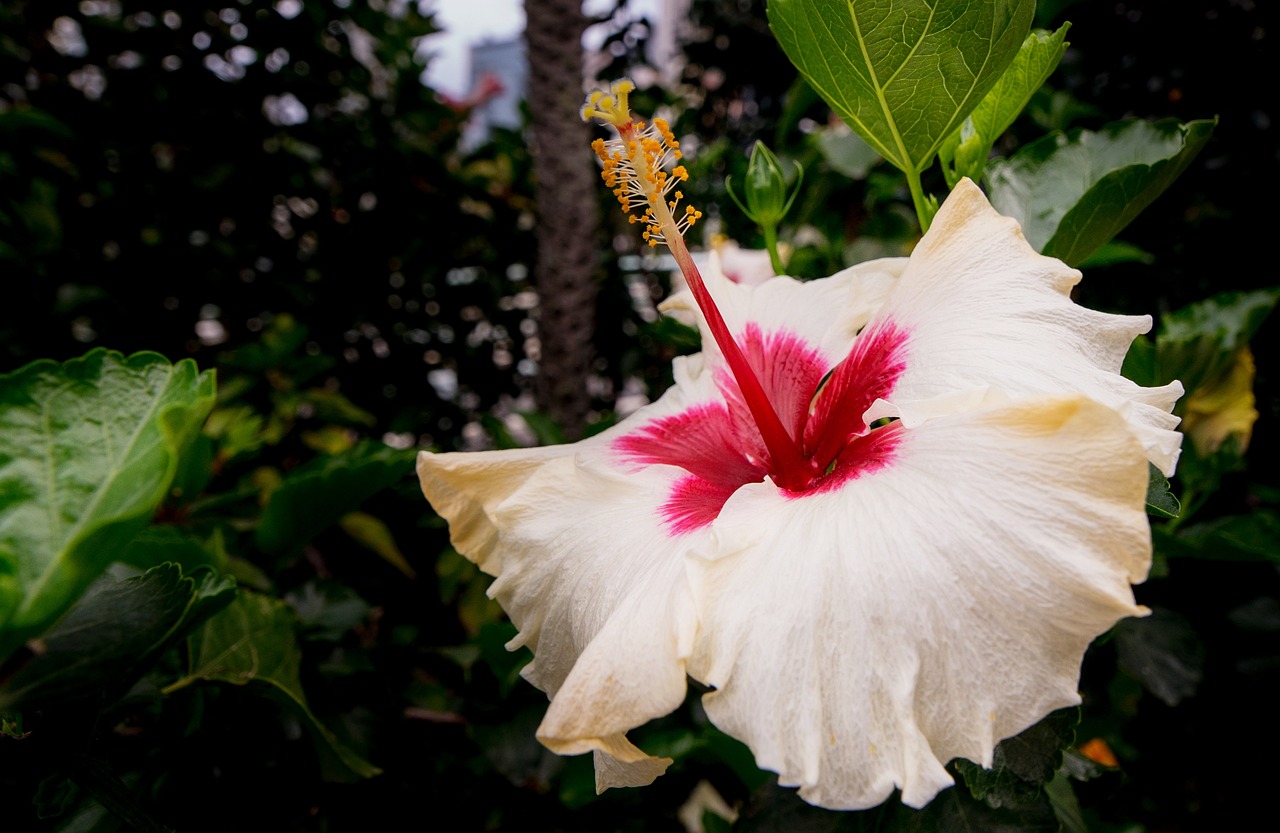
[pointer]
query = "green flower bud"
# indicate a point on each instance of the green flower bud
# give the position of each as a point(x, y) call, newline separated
point(765, 191)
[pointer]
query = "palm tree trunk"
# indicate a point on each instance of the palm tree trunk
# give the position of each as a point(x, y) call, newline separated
point(567, 210)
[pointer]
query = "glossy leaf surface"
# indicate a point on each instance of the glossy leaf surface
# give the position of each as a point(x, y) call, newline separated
point(88, 450)
point(965, 151)
point(113, 632)
point(255, 641)
point(316, 495)
point(1072, 192)
point(904, 75)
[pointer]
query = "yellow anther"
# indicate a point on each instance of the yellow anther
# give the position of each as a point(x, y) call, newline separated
point(611, 107)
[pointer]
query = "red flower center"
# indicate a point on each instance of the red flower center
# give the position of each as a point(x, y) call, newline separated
point(721, 447)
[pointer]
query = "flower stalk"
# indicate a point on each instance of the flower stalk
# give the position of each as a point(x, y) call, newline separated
point(766, 198)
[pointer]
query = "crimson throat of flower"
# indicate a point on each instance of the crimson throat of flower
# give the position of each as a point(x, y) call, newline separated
point(636, 168)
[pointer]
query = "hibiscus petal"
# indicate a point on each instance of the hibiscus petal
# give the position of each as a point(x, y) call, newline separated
point(860, 638)
point(594, 582)
point(982, 308)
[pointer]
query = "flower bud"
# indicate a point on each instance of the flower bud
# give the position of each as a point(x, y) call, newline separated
point(765, 191)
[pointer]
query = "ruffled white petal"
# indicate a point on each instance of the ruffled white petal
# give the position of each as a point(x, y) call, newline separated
point(596, 586)
point(859, 639)
point(983, 309)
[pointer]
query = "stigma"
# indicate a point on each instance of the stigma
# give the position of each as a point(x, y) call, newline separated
point(641, 166)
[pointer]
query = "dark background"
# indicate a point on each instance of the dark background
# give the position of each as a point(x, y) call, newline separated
point(145, 188)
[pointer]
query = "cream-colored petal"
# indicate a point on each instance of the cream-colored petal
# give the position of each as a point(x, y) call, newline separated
point(860, 638)
point(465, 488)
point(982, 308)
point(595, 584)
point(619, 763)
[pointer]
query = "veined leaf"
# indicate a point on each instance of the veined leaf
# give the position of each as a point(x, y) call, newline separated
point(1161, 503)
point(316, 495)
point(115, 631)
point(904, 74)
point(88, 450)
point(255, 641)
point(157, 544)
point(1023, 764)
point(965, 151)
point(1199, 343)
point(1074, 191)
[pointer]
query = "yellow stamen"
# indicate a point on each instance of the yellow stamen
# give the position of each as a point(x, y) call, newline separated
point(611, 106)
point(635, 165)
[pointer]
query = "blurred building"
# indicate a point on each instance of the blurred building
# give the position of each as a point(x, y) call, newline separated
point(502, 63)
point(500, 76)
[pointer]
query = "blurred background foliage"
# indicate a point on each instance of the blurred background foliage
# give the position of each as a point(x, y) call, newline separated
point(270, 190)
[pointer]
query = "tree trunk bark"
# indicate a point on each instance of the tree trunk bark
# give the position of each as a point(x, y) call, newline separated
point(567, 223)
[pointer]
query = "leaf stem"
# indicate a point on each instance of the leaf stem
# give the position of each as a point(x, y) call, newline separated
point(919, 200)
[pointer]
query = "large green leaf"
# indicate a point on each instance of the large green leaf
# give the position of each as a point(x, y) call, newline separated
point(316, 495)
point(1022, 765)
point(965, 151)
point(1074, 191)
point(115, 631)
point(902, 73)
point(254, 641)
point(1252, 537)
point(87, 451)
point(1199, 342)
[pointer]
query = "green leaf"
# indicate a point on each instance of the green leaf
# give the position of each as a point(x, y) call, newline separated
point(313, 496)
point(254, 641)
point(777, 810)
point(902, 74)
point(1116, 251)
point(158, 544)
point(372, 533)
point(1074, 191)
point(115, 632)
point(1252, 537)
point(1162, 652)
point(88, 450)
point(1062, 797)
point(1022, 764)
point(54, 796)
point(328, 610)
point(1160, 501)
point(332, 406)
point(118, 796)
point(238, 431)
point(1199, 342)
point(845, 151)
point(965, 151)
